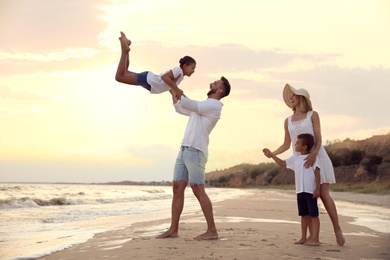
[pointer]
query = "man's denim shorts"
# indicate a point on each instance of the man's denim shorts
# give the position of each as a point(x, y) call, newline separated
point(190, 166)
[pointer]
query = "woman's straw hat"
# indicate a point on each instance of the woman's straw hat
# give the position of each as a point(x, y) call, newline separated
point(288, 91)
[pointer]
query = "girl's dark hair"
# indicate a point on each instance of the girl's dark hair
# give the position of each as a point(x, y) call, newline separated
point(186, 60)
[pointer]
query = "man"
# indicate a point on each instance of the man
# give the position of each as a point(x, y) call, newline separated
point(191, 160)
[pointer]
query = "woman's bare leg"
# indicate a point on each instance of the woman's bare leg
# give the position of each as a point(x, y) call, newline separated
point(123, 75)
point(332, 212)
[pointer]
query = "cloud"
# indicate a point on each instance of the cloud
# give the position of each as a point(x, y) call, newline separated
point(8, 93)
point(156, 154)
point(24, 170)
point(134, 162)
point(49, 25)
point(17, 102)
point(106, 131)
point(353, 91)
point(8, 57)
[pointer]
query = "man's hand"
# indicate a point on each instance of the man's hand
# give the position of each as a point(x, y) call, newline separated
point(174, 99)
point(177, 93)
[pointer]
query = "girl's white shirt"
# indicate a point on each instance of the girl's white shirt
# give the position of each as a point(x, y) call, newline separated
point(158, 85)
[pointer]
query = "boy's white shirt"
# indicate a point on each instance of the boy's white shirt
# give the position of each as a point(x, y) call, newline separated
point(304, 177)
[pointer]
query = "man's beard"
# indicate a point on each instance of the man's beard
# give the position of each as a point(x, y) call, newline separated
point(212, 91)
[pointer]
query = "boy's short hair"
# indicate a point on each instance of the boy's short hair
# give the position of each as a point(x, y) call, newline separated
point(307, 139)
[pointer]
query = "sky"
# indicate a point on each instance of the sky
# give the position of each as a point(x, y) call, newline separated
point(64, 118)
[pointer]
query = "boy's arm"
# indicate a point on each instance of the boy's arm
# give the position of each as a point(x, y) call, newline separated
point(317, 175)
point(279, 161)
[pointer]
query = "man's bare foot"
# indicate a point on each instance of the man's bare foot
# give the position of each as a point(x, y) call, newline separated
point(207, 236)
point(312, 243)
point(168, 233)
point(340, 238)
point(127, 41)
point(300, 241)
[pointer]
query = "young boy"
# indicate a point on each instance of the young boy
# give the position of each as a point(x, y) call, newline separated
point(307, 185)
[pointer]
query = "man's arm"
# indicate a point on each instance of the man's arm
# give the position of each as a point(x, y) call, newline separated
point(189, 104)
point(178, 106)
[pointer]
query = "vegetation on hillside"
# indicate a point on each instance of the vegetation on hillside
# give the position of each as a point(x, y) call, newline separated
point(362, 166)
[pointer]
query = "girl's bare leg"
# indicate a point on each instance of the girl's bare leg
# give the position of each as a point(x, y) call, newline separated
point(123, 75)
point(332, 212)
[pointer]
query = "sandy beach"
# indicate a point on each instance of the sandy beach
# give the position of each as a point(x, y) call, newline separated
point(261, 225)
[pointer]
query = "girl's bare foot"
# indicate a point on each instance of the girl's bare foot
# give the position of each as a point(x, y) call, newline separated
point(124, 46)
point(127, 41)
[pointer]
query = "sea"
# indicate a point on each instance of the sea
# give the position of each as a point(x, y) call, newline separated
point(39, 219)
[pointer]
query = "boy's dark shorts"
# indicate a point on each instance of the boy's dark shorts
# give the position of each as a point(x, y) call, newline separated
point(307, 205)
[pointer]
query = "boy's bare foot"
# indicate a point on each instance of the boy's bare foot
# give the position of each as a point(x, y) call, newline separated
point(127, 41)
point(168, 233)
point(312, 243)
point(340, 238)
point(300, 241)
point(207, 236)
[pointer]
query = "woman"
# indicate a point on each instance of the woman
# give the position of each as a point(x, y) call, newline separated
point(305, 120)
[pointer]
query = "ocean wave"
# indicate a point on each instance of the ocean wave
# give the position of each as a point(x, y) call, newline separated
point(70, 199)
point(27, 202)
point(10, 188)
point(154, 191)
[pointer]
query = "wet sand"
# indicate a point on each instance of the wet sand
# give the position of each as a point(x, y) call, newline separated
point(261, 225)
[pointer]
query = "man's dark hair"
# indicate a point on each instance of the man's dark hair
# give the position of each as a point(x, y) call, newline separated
point(226, 86)
point(307, 139)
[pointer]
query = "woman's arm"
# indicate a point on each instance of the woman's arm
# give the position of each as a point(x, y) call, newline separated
point(315, 119)
point(317, 190)
point(287, 141)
